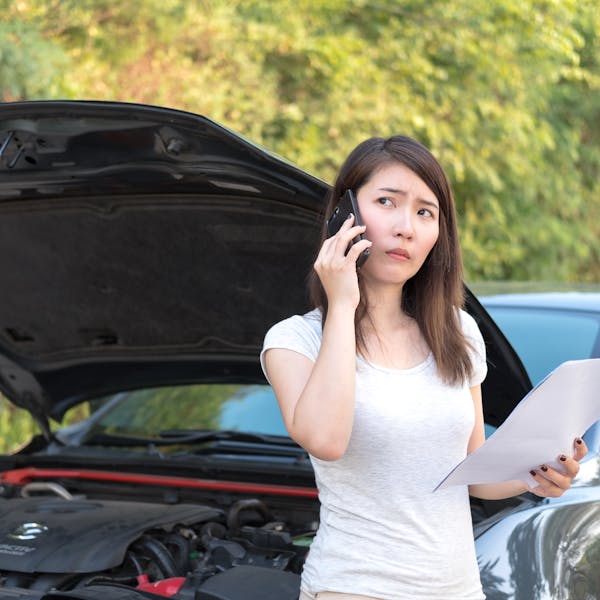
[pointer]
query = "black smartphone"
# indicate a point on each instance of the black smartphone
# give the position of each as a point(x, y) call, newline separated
point(345, 206)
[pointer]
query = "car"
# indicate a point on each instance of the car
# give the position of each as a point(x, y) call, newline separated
point(549, 549)
point(548, 328)
point(144, 253)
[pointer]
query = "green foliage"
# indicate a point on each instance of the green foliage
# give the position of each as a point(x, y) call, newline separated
point(29, 62)
point(16, 426)
point(143, 413)
point(148, 412)
point(505, 93)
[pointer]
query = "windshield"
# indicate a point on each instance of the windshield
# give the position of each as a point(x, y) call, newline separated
point(546, 338)
point(150, 411)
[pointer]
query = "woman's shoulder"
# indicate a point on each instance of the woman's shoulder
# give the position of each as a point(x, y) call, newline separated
point(295, 329)
point(468, 324)
point(308, 321)
point(476, 347)
point(301, 333)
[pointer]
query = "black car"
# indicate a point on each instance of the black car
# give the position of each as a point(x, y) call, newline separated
point(144, 253)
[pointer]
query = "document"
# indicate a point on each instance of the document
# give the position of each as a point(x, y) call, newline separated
point(540, 428)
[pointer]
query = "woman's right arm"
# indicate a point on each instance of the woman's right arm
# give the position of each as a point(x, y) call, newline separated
point(317, 398)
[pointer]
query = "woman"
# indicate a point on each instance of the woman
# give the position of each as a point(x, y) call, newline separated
point(381, 384)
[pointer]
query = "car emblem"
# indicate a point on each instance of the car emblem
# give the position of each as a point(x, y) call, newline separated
point(28, 531)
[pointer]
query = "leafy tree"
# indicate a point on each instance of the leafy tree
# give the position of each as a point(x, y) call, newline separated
point(504, 92)
point(29, 61)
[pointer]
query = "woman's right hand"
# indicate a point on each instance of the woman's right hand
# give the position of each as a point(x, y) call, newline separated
point(336, 269)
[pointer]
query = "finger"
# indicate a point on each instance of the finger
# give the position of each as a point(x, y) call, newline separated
point(334, 250)
point(348, 222)
point(549, 477)
point(349, 225)
point(344, 239)
point(580, 449)
point(356, 249)
point(569, 465)
point(350, 233)
point(551, 484)
point(332, 245)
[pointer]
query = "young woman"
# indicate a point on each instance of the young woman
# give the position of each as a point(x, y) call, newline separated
point(380, 383)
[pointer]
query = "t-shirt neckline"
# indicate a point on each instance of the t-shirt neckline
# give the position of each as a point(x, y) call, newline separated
point(418, 367)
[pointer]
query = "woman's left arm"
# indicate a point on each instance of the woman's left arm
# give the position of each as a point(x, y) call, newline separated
point(551, 483)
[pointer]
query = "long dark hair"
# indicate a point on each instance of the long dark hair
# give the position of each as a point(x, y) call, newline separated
point(435, 293)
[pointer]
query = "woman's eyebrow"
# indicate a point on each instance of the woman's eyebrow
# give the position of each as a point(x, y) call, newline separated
point(432, 203)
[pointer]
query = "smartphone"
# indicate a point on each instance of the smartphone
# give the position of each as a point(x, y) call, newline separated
point(345, 206)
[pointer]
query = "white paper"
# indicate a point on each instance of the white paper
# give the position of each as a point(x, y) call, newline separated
point(540, 428)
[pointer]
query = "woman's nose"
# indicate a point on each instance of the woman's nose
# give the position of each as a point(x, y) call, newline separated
point(403, 226)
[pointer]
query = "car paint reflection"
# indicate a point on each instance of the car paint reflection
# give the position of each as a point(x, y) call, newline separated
point(550, 555)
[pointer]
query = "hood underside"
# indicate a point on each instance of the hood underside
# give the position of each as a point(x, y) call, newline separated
point(141, 245)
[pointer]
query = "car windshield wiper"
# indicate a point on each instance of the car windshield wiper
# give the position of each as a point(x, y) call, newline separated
point(192, 436)
point(173, 437)
point(236, 442)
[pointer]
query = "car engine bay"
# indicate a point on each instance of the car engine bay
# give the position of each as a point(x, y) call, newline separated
point(55, 544)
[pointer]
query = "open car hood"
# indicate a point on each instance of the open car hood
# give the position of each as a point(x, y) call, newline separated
point(144, 246)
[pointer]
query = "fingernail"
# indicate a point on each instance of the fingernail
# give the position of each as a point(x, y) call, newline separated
point(563, 457)
point(532, 473)
point(544, 468)
point(578, 441)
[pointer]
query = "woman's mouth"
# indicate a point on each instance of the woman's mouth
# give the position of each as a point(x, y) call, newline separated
point(398, 254)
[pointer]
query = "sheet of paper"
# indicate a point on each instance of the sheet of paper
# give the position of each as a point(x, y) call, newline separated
point(540, 428)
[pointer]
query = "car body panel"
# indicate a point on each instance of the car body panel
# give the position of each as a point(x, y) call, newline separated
point(548, 550)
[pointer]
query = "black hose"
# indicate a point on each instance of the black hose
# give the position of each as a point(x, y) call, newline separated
point(210, 531)
point(160, 554)
point(126, 580)
point(233, 516)
point(182, 553)
point(136, 563)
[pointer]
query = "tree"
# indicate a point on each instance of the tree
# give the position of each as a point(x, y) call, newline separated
point(505, 93)
point(29, 61)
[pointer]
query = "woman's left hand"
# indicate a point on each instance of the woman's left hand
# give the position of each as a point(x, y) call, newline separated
point(552, 483)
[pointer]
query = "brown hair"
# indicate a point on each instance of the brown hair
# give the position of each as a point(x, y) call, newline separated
point(435, 293)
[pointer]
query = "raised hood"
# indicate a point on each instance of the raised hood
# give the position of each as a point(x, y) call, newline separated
point(141, 245)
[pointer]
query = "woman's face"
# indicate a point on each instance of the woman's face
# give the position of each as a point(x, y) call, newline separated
point(402, 218)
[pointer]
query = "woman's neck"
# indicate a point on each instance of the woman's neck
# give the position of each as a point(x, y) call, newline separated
point(391, 338)
point(384, 313)
point(385, 308)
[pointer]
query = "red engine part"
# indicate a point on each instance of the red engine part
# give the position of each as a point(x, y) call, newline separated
point(165, 587)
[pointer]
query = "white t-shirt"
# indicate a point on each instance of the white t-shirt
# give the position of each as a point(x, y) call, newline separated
point(383, 531)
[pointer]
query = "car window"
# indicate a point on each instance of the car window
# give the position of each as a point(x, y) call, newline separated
point(544, 338)
point(146, 412)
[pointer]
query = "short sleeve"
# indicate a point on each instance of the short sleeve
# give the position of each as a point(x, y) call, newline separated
point(477, 351)
point(300, 333)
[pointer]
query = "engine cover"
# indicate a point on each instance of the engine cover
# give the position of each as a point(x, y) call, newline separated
point(250, 583)
point(53, 535)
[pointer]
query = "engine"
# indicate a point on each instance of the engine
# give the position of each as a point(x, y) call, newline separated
point(56, 547)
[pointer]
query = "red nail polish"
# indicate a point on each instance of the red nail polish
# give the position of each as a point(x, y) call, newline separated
point(544, 468)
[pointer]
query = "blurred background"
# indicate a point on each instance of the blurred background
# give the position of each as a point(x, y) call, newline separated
point(506, 93)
